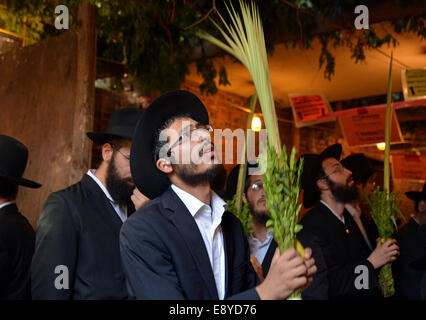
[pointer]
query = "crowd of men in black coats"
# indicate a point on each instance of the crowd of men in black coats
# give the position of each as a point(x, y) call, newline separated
point(142, 225)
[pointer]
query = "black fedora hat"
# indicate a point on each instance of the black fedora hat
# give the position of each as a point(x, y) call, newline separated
point(121, 125)
point(13, 160)
point(147, 177)
point(311, 167)
point(417, 195)
point(359, 165)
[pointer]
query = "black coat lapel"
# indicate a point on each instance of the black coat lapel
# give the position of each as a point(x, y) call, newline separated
point(229, 252)
point(101, 204)
point(266, 263)
point(188, 229)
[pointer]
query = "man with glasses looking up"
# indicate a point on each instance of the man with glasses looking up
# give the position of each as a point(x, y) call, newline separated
point(352, 267)
point(184, 244)
point(77, 252)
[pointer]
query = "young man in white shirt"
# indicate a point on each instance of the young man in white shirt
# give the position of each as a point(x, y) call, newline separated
point(184, 244)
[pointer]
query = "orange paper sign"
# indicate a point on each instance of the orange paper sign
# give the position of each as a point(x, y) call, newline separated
point(308, 108)
point(409, 167)
point(366, 126)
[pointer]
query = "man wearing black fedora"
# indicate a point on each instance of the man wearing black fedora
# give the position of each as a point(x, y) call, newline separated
point(408, 280)
point(363, 177)
point(77, 238)
point(16, 234)
point(352, 267)
point(184, 244)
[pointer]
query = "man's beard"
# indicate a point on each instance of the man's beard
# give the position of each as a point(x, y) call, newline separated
point(186, 173)
point(343, 193)
point(119, 188)
point(261, 216)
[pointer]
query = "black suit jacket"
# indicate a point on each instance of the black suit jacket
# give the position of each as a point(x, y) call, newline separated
point(407, 279)
point(79, 229)
point(164, 255)
point(318, 290)
point(16, 250)
point(344, 248)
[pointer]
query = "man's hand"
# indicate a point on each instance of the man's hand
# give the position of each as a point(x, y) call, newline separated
point(310, 266)
point(287, 273)
point(257, 267)
point(384, 253)
point(138, 199)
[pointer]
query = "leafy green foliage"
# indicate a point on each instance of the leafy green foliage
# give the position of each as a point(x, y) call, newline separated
point(281, 183)
point(153, 39)
point(244, 216)
point(384, 212)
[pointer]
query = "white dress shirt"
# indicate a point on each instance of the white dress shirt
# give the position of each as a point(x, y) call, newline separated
point(6, 204)
point(342, 219)
point(121, 212)
point(208, 220)
point(259, 249)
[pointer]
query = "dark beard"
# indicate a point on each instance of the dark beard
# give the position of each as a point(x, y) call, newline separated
point(119, 188)
point(185, 172)
point(343, 193)
point(261, 217)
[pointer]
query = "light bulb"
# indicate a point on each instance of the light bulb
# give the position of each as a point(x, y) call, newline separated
point(381, 146)
point(256, 124)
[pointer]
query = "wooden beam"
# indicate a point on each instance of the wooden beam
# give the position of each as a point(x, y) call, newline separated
point(85, 92)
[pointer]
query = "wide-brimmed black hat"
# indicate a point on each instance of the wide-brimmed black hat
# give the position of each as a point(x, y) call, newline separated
point(417, 195)
point(359, 165)
point(121, 125)
point(13, 160)
point(311, 167)
point(147, 177)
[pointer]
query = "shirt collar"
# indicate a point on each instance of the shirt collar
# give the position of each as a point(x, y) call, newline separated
point(194, 205)
point(91, 174)
point(6, 204)
point(337, 216)
point(268, 239)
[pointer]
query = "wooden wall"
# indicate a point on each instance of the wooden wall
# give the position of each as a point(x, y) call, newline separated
point(46, 102)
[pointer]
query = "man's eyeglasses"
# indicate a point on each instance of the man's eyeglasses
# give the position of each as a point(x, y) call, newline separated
point(257, 186)
point(188, 132)
point(118, 150)
point(338, 169)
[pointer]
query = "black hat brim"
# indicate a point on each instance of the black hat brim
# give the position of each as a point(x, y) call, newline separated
point(147, 177)
point(23, 182)
point(311, 167)
point(102, 138)
point(416, 195)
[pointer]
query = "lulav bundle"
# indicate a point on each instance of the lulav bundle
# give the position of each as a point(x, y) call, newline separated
point(281, 176)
